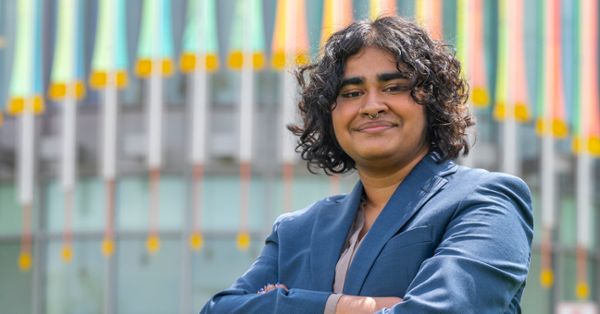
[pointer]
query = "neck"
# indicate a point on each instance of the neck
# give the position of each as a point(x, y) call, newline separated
point(381, 183)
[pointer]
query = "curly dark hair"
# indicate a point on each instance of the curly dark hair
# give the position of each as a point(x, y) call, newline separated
point(435, 78)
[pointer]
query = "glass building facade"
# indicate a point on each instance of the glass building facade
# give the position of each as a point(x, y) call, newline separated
point(177, 279)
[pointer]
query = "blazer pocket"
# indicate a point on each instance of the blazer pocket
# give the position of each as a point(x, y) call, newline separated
point(421, 234)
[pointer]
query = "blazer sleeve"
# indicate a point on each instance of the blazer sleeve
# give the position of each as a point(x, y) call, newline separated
point(242, 296)
point(482, 261)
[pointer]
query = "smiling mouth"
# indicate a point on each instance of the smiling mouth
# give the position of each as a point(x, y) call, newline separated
point(376, 126)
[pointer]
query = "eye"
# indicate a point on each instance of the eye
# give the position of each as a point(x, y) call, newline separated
point(395, 88)
point(351, 94)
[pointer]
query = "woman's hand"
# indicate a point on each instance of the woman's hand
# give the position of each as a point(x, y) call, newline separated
point(268, 287)
point(354, 304)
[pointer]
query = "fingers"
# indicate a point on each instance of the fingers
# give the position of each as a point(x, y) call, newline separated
point(280, 285)
point(269, 286)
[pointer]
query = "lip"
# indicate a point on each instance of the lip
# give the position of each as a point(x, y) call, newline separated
point(375, 126)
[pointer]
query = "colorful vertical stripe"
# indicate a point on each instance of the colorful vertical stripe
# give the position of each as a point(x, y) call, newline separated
point(200, 38)
point(471, 49)
point(337, 14)
point(26, 77)
point(290, 38)
point(110, 49)
point(551, 108)
point(381, 8)
point(511, 81)
point(248, 13)
point(66, 78)
point(429, 13)
point(149, 50)
point(586, 120)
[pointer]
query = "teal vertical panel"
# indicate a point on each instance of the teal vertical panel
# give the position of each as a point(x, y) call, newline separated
point(490, 33)
point(532, 14)
point(76, 287)
point(172, 202)
point(449, 14)
point(314, 20)
point(10, 210)
point(88, 213)
point(131, 203)
point(16, 287)
point(148, 283)
point(536, 299)
point(220, 210)
point(406, 8)
point(361, 9)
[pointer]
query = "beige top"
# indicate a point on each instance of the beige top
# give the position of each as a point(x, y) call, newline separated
point(348, 251)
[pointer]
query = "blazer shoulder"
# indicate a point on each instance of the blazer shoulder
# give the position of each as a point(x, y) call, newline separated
point(475, 177)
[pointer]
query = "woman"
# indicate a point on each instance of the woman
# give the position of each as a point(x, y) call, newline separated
point(418, 234)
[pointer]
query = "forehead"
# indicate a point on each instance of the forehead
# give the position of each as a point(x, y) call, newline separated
point(370, 61)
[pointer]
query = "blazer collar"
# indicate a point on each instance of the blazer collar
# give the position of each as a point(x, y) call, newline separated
point(424, 181)
point(330, 231)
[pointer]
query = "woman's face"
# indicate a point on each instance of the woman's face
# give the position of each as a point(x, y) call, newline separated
point(394, 133)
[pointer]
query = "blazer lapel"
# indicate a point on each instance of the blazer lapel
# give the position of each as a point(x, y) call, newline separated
point(424, 181)
point(327, 239)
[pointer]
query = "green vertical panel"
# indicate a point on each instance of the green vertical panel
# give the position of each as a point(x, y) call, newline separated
point(76, 287)
point(88, 213)
point(15, 286)
point(221, 203)
point(10, 211)
point(132, 203)
point(567, 214)
point(536, 299)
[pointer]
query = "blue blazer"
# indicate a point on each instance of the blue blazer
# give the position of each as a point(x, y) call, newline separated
point(450, 240)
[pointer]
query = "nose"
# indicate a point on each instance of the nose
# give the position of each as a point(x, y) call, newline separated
point(374, 106)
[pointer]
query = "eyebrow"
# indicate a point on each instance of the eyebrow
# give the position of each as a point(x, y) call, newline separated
point(353, 81)
point(384, 77)
point(391, 76)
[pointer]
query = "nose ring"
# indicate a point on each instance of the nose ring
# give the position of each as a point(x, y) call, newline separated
point(368, 114)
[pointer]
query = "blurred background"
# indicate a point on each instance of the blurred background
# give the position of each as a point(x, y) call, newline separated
point(143, 154)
